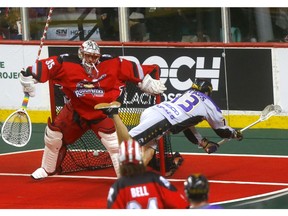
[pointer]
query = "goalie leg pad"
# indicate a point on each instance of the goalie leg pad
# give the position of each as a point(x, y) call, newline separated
point(53, 144)
point(110, 141)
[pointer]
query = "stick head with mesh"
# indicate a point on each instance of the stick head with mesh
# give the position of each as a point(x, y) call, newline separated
point(16, 130)
point(269, 111)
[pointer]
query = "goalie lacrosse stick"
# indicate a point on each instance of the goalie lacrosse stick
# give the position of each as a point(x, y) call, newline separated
point(268, 111)
point(17, 128)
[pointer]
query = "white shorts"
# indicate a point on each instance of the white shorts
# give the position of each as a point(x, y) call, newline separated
point(151, 126)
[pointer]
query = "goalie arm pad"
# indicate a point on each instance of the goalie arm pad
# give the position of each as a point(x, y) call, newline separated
point(151, 86)
point(27, 81)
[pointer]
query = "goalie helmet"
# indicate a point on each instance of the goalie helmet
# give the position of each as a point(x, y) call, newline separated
point(130, 152)
point(196, 187)
point(89, 53)
point(203, 86)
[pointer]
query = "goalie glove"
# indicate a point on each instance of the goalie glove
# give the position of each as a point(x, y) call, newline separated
point(151, 86)
point(238, 135)
point(209, 146)
point(27, 82)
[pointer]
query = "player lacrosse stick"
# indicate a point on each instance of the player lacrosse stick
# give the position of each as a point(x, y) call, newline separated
point(268, 111)
point(17, 128)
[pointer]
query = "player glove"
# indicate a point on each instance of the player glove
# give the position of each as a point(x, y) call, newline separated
point(151, 86)
point(28, 82)
point(238, 135)
point(209, 146)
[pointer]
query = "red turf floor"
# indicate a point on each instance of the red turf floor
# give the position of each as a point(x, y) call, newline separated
point(231, 177)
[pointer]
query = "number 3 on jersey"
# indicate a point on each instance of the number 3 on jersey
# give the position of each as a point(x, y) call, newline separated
point(186, 103)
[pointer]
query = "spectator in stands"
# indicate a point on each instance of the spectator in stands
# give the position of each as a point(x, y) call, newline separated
point(138, 188)
point(196, 188)
point(36, 18)
point(10, 24)
point(183, 114)
point(164, 24)
point(137, 27)
point(281, 24)
point(14, 23)
point(108, 24)
point(86, 80)
point(193, 25)
point(3, 24)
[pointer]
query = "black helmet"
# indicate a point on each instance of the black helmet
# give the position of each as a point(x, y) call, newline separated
point(196, 187)
point(203, 86)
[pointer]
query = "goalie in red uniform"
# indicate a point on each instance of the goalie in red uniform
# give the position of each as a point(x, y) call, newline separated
point(86, 81)
point(141, 189)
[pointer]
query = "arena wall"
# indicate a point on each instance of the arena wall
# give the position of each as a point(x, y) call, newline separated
point(245, 78)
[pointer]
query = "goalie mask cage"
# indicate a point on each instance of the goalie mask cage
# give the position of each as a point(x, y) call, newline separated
point(88, 153)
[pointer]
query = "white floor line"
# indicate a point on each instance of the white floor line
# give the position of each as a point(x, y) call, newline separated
point(172, 180)
point(272, 195)
point(63, 176)
point(182, 153)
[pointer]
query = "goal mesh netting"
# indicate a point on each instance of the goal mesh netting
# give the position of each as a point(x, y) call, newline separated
point(88, 153)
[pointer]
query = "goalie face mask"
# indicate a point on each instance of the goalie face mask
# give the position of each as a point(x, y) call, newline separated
point(89, 53)
point(203, 86)
point(130, 152)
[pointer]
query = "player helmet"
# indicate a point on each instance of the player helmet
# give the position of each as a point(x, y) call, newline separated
point(196, 187)
point(203, 86)
point(130, 152)
point(89, 53)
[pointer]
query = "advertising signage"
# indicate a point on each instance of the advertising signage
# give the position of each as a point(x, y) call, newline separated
point(241, 78)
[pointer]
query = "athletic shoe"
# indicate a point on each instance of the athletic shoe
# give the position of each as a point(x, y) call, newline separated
point(108, 108)
point(40, 173)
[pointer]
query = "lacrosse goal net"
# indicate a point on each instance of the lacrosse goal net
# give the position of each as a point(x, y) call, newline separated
point(88, 153)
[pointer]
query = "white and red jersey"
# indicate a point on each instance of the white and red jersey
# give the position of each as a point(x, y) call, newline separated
point(84, 90)
point(147, 191)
